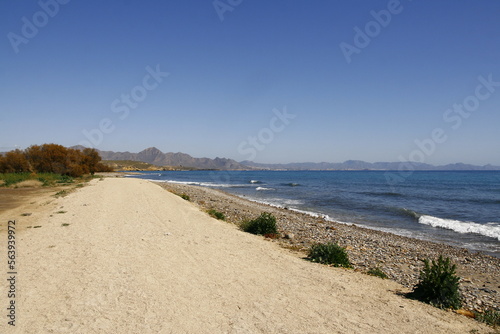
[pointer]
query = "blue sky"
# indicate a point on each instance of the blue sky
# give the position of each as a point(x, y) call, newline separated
point(67, 69)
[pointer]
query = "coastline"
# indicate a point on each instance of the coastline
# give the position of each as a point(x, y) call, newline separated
point(125, 255)
point(400, 257)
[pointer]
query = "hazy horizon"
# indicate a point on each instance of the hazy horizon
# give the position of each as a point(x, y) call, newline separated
point(271, 82)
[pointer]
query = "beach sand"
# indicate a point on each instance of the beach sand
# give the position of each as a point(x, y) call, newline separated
point(125, 256)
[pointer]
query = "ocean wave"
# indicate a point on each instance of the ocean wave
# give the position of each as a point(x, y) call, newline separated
point(264, 189)
point(483, 200)
point(255, 181)
point(291, 184)
point(382, 194)
point(205, 184)
point(409, 213)
point(292, 201)
point(491, 230)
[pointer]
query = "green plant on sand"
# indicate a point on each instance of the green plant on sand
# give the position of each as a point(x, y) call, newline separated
point(265, 224)
point(329, 253)
point(490, 317)
point(377, 272)
point(216, 214)
point(185, 197)
point(438, 284)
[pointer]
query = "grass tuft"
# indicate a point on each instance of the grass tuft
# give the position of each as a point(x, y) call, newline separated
point(216, 214)
point(185, 197)
point(377, 272)
point(490, 317)
point(61, 193)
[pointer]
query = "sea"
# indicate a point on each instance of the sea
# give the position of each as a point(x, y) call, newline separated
point(459, 208)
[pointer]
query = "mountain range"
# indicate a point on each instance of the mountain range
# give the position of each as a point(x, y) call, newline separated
point(154, 156)
point(363, 165)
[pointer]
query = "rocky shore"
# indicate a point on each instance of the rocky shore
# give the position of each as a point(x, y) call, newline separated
point(399, 257)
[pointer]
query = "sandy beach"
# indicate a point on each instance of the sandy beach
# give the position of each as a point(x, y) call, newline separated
point(125, 256)
point(398, 256)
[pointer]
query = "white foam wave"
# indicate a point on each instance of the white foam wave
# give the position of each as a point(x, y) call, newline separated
point(255, 181)
point(204, 184)
point(264, 189)
point(491, 230)
point(292, 201)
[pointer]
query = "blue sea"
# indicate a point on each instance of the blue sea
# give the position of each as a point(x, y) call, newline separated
point(459, 208)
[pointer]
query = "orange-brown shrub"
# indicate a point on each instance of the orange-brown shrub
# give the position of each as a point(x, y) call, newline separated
point(53, 158)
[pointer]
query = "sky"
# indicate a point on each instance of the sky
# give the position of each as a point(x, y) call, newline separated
point(268, 81)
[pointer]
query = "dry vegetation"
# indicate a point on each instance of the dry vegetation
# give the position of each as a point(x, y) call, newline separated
point(52, 158)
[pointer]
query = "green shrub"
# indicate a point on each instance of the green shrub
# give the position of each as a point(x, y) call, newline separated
point(329, 253)
point(186, 197)
point(264, 224)
point(377, 272)
point(13, 178)
point(490, 317)
point(438, 285)
point(216, 214)
point(61, 193)
point(47, 179)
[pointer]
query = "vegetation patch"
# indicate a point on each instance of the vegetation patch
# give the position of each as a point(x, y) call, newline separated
point(185, 197)
point(216, 214)
point(490, 317)
point(65, 224)
point(329, 253)
point(28, 184)
point(377, 272)
point(438, 285)
point(61, 193)
point(60, 212)
point(264, 224)
point(52, 158)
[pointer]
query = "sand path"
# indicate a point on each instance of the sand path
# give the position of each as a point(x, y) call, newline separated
point(137, 259)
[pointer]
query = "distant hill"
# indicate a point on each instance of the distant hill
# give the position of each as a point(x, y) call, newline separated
point(156, 157)
point(170, 160)
point(363, 165)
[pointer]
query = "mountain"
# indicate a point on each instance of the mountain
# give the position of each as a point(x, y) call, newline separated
point(156, 157)
point(363, 165)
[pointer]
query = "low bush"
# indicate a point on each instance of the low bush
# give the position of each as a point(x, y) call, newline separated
point(377, 272)
point(186, 197)
point(47, 179)
point(13, 178)
point(490, 317)
point(329, 253)
point(265, 224)
point(216, 214)
point(438, 285)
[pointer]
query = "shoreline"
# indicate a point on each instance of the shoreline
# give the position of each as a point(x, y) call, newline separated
point(126, 255)
point(400, 257)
